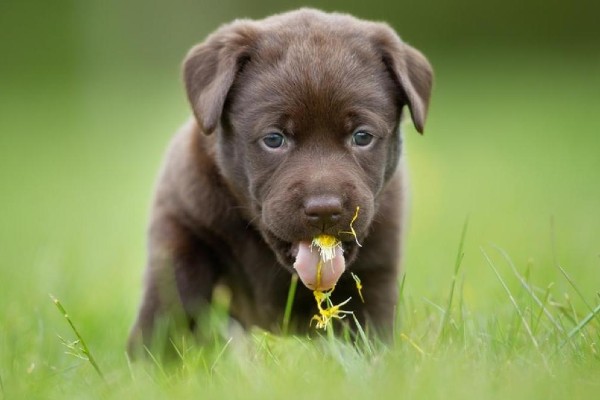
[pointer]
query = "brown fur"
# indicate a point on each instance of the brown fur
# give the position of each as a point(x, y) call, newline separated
point(227, 208)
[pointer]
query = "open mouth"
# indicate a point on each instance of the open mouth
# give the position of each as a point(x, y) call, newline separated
point(304, 258)
point(318, 264)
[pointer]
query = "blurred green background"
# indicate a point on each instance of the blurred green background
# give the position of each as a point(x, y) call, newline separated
point(90, 93)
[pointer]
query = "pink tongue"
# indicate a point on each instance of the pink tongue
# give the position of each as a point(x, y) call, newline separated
point(306, 265)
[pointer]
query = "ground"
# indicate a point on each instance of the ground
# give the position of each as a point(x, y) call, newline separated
point(512, 145)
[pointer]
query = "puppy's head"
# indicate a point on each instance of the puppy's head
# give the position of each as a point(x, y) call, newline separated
point(307, 107)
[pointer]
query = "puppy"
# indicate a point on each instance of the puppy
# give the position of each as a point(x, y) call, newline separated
point(296, 124)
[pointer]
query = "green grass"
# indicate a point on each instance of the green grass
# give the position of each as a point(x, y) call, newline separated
point(508, 311)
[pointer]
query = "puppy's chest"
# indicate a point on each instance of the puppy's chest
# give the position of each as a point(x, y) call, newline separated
point(259, 284)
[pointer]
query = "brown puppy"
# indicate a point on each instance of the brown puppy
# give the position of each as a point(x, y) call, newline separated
point(297, 122)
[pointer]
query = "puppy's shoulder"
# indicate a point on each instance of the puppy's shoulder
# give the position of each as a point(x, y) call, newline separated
point(189, 182)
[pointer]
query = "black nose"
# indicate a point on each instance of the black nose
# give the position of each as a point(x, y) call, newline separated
point(323, 211)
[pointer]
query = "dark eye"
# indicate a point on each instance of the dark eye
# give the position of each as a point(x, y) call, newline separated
point(273, 140)
point(362, 138)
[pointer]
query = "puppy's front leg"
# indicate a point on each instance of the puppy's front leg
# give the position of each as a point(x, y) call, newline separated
point(180, 277)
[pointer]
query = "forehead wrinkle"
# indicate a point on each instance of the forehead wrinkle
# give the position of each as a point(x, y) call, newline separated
point(314, 78)
point(319, 90)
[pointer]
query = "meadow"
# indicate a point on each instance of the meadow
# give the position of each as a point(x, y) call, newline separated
point(511, 146)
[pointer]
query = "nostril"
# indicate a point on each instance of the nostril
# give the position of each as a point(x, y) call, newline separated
point(323, 217)
point(323, 209)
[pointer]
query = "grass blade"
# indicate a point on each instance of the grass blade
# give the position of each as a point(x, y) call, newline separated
point(529, 290)
point(129, 367)
point(363, 336)
point(572, 283)
point(581, 325)
point(157, 363)
point(178, 351)
point(561, 269)
point(401, 289)
point(400, 303)
point(214, 364)
point(405, 337)
point(289, 303)
point(536, 322)
point(512, 300)
point(459, 257)
point(84, 347)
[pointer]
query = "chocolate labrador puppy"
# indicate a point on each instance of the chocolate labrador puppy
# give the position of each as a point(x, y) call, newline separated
point(296, 124)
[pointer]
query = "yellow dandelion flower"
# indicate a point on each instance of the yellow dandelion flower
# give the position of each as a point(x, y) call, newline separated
point(328, 312)
point(352, 231)
point(326, 245)
point(358, 286)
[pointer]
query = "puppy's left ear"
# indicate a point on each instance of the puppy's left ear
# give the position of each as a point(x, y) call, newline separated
point(410, 69)
point(210, 68)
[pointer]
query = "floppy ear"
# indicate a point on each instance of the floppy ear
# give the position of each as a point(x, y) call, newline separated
point(410, 69)
point(210, 69)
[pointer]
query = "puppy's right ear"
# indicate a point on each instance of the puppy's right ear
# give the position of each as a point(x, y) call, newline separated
point(210, 68)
